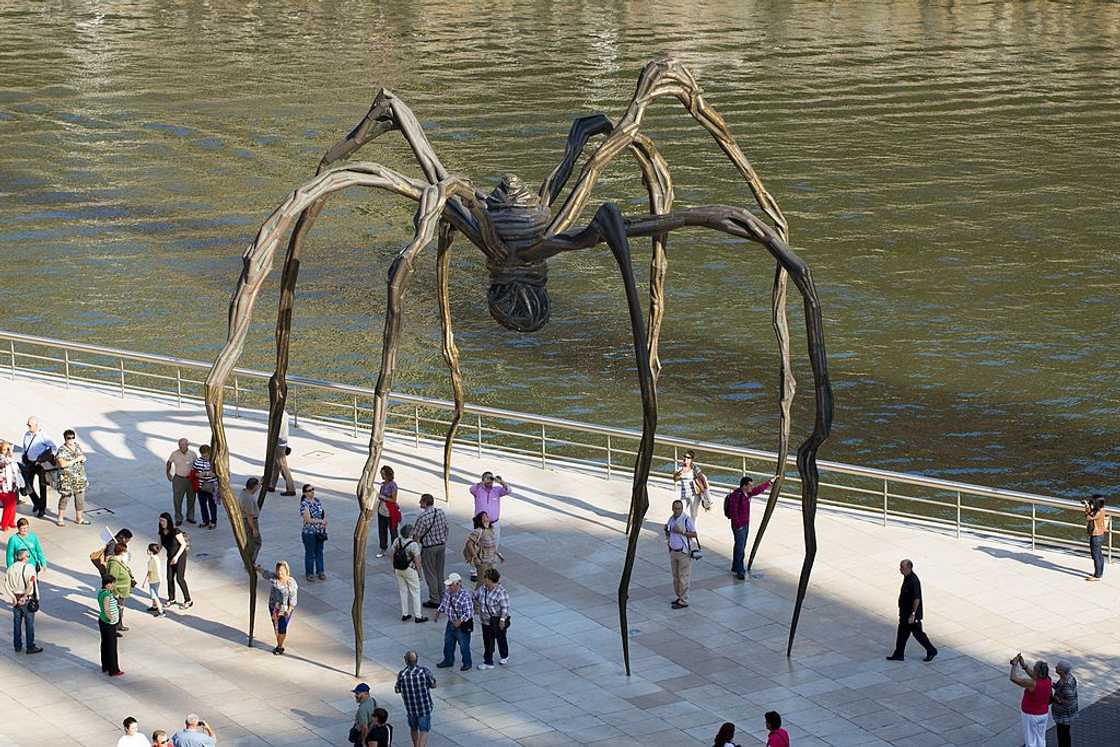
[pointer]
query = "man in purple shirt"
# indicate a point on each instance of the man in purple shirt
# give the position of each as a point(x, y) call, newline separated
point(488, 498)
point(737, 508)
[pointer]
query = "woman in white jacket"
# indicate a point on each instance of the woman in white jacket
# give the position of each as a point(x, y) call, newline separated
point(11, 482)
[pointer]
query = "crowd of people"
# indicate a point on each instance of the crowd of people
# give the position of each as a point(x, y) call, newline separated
point(418, 557)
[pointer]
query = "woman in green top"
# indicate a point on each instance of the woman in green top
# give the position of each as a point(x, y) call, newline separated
point(121, 574)
point(108, 615)
point(25, 539)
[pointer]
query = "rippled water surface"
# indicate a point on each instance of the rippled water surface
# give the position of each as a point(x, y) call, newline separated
point(950, 172)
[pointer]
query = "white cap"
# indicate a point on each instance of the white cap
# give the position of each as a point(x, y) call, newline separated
point(454, 578)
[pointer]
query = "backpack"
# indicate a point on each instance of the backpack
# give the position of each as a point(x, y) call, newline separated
point(727, 505)
point(401, 559)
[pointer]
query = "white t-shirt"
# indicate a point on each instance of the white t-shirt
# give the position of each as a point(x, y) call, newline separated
point(134, 740)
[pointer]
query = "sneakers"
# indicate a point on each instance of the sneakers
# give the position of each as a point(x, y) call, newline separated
point(504, 661)
point(485, 666)
point(381, 554)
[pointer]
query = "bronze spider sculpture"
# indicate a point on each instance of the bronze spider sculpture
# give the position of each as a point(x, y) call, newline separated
point(518, 231)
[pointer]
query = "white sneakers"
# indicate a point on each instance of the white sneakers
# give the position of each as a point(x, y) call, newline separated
point(504, 661)
point(485, 666)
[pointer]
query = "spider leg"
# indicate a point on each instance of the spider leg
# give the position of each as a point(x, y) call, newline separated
point(742, 223)
point(387, 113)
point(256, 265)
point(450, 350)
point(583, 129)
point(663, 77)
point(609, 226)
point(433, 202)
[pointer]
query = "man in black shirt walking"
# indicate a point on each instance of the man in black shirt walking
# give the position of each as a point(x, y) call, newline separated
point(910, 614)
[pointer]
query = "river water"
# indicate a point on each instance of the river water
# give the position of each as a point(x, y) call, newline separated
point(949, 170)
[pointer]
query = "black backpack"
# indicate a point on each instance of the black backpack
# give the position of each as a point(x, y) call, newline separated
point(401, 559)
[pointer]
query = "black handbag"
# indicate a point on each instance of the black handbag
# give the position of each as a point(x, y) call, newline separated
point(467, 626)
point(33, 603)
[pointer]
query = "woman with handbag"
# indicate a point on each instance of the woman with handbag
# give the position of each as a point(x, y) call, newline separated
point(481, 548)
point(25, 539)
point(492, 602)
point(388, 510)
point(11, 484)
point(314, 534)
point(692, 485)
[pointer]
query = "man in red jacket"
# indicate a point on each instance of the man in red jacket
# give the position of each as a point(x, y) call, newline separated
point(737, 508)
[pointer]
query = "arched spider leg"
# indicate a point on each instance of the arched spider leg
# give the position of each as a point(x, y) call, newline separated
point(667, 77)
point(583, 129)
point(740, 222)
point(256, 265)
point(387, 113)
point(609, 226)
point(433, 203)
point(743, 224)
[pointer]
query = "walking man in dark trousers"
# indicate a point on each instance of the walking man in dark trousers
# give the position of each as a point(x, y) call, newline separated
point(910, 614)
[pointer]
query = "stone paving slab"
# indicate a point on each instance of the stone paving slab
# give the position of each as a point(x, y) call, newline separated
point(721, 659)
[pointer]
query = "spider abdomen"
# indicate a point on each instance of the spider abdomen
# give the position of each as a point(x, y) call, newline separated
point(517, 298)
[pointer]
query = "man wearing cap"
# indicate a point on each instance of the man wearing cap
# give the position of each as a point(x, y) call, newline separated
point(458, 605)
point(363, 719)
point(415, 683)
point(250, 514)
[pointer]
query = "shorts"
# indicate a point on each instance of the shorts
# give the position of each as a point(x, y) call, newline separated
point(281, 621)
point(153, 589)
point(420, 723)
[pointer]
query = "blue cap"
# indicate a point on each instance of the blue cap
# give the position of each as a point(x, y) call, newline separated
point(362, 688)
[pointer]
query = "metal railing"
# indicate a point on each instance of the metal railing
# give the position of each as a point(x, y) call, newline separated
point(930, 502)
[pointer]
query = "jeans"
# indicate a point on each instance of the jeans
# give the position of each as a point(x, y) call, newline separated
point(452, 636)
point(209, 507)
point(23, 618)
point(740, 548)
point(1096, 549)
point(313, 553)
point(492, 634)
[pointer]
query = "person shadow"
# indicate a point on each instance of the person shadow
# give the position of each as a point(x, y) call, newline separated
point(1030, 559)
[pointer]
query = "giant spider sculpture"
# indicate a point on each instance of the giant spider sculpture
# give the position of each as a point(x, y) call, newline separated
point(518, 231)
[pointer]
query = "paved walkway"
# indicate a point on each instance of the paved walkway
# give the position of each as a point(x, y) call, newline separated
point(722, 659)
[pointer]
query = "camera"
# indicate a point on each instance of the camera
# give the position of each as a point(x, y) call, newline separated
point(695, 553)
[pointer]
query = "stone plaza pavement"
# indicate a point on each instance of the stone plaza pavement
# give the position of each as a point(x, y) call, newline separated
point(721, 659)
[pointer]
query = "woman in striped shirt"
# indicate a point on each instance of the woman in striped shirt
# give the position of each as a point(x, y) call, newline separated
point(202, 473)
point(492, 601)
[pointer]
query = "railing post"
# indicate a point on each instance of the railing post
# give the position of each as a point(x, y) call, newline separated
point(744, 470)
point(958, 514)
point(236, 398)
point(416, 421)
point(355, 429)
point(885, 501)
point(608, 456)
point(66, 360)
point(1033, 518)
point(480, 434)
point(121, 361)
point(12, 352)
point(544, 456)
point(295, 416)
point(1110, 541)
point(178, 387)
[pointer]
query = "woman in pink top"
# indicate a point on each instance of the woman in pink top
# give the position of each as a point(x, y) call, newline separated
point(1035, 682)
point(779, 737)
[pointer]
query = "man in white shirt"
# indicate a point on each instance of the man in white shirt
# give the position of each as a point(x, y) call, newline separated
point(21, 583)
point(36, 447)
point(679, 533)
point(178, 473)
point(132, 736)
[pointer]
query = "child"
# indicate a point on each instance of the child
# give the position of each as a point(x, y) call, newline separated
point(153, 579)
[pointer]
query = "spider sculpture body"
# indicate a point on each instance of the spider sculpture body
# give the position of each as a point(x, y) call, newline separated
point(517, 231)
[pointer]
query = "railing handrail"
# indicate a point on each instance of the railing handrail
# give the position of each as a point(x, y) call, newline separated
point(549, 421)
